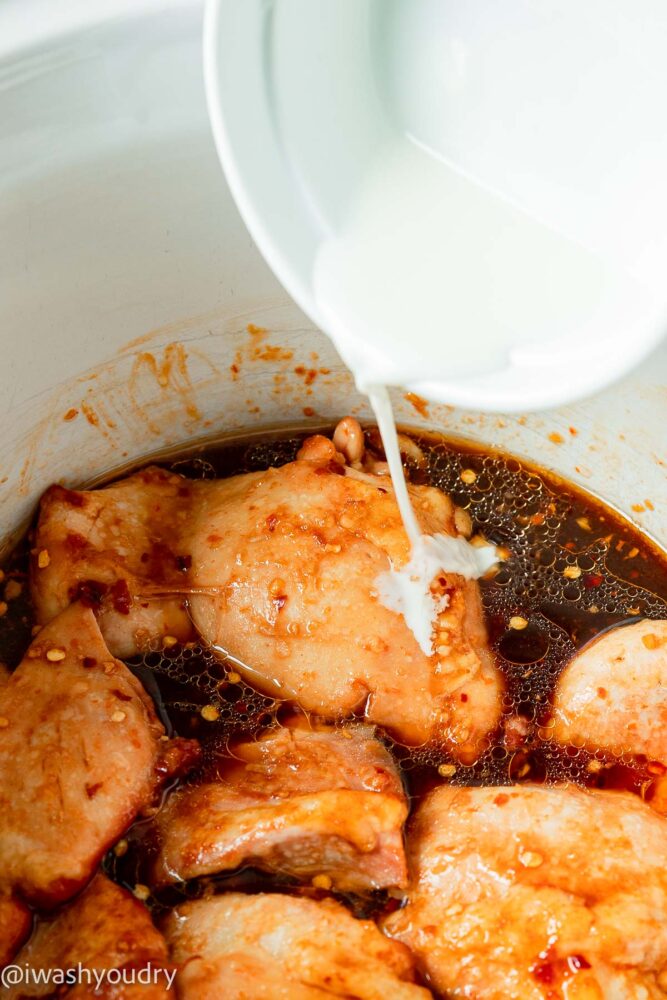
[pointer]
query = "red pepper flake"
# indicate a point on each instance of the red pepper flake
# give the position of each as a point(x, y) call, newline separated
point(89, 662)
point(593, 580)
point(280, 601)
point(501, 799)
point(92, 790)
point(544, 972)
point(75, 542)
point(120, 595)
point(272, 521)
point(71, 414)
point(577, 962)
point(308, 411)
point(89, 592)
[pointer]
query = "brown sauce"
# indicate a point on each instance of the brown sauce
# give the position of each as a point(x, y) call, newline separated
point(546, 525)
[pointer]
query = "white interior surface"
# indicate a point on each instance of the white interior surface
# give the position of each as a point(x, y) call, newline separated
point(494, 172)
point(127, 281)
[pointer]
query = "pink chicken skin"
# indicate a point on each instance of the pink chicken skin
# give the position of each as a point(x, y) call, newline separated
point(278, 569)
point(537, 892)
point(277, 947)
point(316, 803)
point(104, 928)
point(81, 754)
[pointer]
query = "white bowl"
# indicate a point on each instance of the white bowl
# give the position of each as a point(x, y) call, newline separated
point(127, 282)
point(557, 108)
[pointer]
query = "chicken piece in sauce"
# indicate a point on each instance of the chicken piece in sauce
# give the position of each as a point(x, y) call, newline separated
point(317, 802)
point(81, 754)
point(277, 947)
point(15, 923)
point(104, 928)
point(537, 893)
point(117, 550)
point(279, 570)
point(613, 693)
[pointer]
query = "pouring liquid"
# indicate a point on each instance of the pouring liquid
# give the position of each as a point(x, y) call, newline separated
point(407, 591)
point(434, 277)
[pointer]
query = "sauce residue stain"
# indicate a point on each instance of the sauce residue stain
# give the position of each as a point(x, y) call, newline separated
point(71, 414)
point(256, 331)
point(556, 438)
point(90, 415)
point(418, 403)
point(258, 351)
point(171, 374)
point(271, 352)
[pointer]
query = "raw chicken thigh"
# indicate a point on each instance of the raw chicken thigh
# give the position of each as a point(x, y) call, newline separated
point(104, 928)
point(537, 893)
point(613, 694)
point(279, 570)
point(117, 550)
point(295, 554)
point(81, 753)
point(323, 802)
point(276, 947)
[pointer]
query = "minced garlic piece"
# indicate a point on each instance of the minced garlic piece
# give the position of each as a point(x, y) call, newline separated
point(531, 859)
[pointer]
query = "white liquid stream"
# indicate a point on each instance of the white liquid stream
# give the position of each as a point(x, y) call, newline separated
point(432, 276)
point(407, 590)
